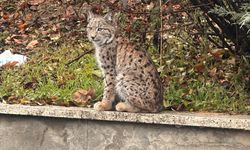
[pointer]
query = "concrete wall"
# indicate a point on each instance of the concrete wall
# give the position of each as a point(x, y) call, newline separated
point(43, 133)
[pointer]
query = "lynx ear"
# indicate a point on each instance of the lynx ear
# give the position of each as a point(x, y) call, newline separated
point(112, 18)
point(86, 9)
point(108, 16)
point(90, 14)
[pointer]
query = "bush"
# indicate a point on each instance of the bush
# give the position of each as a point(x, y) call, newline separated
point(232, 19)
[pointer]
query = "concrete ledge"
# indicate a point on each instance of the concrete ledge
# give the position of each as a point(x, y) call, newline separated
point(73, 128)
point(168, 117)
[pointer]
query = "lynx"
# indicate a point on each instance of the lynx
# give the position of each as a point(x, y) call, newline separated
point(129, 74)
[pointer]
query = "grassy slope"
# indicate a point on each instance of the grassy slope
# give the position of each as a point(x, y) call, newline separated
point(46, 80)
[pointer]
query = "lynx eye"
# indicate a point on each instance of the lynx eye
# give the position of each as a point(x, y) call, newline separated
point(100, 29)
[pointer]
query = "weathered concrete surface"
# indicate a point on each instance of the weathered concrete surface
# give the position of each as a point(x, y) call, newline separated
point(167, 118)
point(42, 133)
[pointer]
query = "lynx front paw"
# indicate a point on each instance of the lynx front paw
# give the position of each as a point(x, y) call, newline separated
point(103, 105)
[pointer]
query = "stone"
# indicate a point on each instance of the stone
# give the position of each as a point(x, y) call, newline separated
point(213, 120)
point(50, 133)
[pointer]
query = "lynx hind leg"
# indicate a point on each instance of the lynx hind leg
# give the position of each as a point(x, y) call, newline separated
point(124, 106)
point(133, 102)
point(103, 105)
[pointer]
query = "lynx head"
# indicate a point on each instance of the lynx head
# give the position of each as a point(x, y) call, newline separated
point(101, 29)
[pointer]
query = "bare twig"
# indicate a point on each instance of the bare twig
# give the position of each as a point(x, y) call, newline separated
point(184, 40)
point(77, 58)
point(217, 31)
point(214, 42)
point(161, 35)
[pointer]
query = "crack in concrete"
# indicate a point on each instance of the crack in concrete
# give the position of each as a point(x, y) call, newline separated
point(43, 135)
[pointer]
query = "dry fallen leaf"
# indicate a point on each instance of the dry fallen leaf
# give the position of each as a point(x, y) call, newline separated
point(150, 6)
point(28, 17)
point(13, 100)
point(112, 1)
point(55, 37)
point(24, 101)
point(213, 72)
point(16, 15)
point(10, 64)
point(35, 2)
point(217, 53)
point(22, 25)
point(180, 107)
point(18, 41)
point(231, 61)
point(82, 96)
point(69, 12)
point(176, 7)
point(200, 67)
point(6, 16)
point(32, 44)
point(22, 4)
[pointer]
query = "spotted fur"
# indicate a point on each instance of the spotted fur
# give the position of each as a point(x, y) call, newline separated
point(128, 73)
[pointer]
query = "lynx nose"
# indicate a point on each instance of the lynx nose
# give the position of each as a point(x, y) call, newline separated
point(92, 37)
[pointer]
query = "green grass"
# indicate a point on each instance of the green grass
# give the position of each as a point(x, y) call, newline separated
point(227, 90)
point(198, 96)
point(46, 77)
